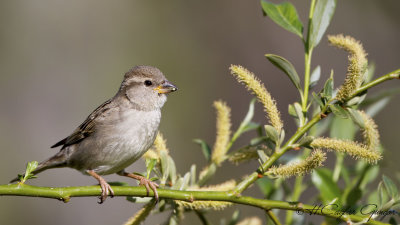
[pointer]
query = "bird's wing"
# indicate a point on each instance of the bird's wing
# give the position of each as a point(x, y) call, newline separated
point(85, 129)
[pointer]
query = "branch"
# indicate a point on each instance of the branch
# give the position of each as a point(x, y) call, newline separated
point(302, 130)
point(65, 194)
point(390, 76)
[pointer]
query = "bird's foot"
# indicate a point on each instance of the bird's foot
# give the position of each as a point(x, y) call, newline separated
point(148, 184)
point(106, 189)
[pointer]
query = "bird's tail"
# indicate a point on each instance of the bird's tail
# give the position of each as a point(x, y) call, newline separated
point(56, 161)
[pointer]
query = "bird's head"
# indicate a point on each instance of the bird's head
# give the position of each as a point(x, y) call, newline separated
point(146, 87)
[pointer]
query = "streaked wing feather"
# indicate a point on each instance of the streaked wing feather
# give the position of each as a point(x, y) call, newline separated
point(85, 129)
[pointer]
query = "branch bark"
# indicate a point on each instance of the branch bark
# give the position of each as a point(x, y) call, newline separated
point(66, 193)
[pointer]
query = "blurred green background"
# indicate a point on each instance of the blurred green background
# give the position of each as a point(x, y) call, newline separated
point(61, 59)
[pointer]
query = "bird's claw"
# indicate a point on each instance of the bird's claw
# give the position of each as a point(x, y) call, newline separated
point(106, 191)
point(148, 184)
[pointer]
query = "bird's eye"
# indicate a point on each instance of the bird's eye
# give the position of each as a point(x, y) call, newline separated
point(147, 82)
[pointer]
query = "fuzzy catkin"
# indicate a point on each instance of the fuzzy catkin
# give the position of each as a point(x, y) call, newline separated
point(254, 85)
point(370, 132)
point(151, 154)
point(354, 149)
point(201, 204)
point(160, 144)
point(357, 64)
point(223, 132)
point(250, 221)
point(299, 168)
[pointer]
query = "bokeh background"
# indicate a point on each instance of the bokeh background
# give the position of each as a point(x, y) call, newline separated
point(61, 59)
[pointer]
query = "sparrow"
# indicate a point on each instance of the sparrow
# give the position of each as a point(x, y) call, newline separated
point(118, 132)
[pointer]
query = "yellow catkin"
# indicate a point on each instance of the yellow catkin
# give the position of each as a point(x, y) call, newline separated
point(198, 205)
point(299, 168)
point(370, 131)
point(151, 154)
point(254, 85)
point(354, 149)
point(357, 64)
point(203, 172)
point(223, 132)
point(141, 215)
point(250, 221)
point(216, 205)
point(160, 144)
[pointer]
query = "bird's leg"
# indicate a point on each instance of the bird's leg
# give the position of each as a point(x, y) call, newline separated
point(105, 187)
point(143, 181)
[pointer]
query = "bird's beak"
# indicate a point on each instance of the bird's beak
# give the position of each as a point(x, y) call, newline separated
point(165, 88)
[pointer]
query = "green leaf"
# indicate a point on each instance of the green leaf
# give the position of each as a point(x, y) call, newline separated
point(178, 184)
point(322, 179)
point(356, 117)
point(382, 194)
point(205, 148)
point(342, 128)
point(306, 141)
point(323, 12)
point(356, 100)
point(286, 67)
point(262, 156)
point(165, 167)
point(246, 124)
point(250, 114)
point(380, 95)
point(339, 111)
point(210, 172)
point(272, 133)
point(193, 175)
point(257, 140)
point(299, 113)
point(154, 178)
point(139, 199)
point(373, 197)
point(318, 100)
point(375, 108)
point(370, 176)
point(296, 111)
point(150, 163)
point(315, 76)
point(369, 73)
point(285, 15)
point(185, 181)
point(235, 218)
point(390, 187)
point(354, 195)
point(392, 221)
point(328, 89)
point(172, 169)
point(250, 126)
point(282, 136)
point(30, 167)
point(292, 111)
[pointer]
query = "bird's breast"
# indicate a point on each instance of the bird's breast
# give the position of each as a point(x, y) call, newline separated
point(118, 143)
